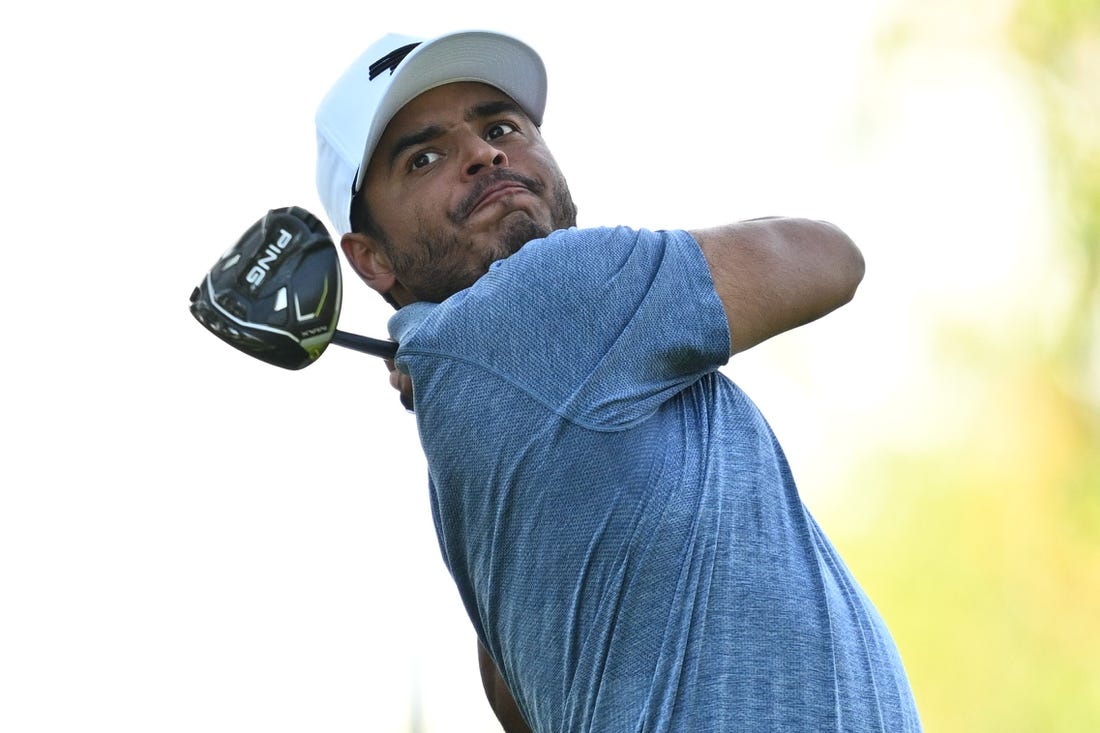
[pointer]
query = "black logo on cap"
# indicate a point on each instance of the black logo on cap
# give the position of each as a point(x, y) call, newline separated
point(391, 60)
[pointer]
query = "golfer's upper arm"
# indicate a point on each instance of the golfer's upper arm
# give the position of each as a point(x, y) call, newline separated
point(773, 275)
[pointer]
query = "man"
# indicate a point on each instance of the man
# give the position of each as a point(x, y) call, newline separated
point(621, 523)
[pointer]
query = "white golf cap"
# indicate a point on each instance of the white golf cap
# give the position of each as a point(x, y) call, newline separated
point(391, 73)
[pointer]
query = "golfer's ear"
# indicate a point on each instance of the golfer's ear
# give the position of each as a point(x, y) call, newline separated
point(369, 261)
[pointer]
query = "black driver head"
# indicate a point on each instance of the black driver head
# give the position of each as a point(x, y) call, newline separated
point(275, 294)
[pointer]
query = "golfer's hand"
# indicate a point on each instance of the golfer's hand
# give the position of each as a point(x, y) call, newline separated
point(402, 383)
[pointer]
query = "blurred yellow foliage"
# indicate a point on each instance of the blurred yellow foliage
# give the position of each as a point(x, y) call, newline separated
point(989, 573)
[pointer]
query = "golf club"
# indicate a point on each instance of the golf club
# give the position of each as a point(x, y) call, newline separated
point(275, 294)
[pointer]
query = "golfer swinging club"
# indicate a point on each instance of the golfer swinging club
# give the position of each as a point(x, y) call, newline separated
point(620, 521)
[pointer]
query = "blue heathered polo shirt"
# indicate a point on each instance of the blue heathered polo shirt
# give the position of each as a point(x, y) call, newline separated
point(621, 523)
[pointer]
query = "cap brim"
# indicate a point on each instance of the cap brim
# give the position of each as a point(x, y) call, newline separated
point(479, 56)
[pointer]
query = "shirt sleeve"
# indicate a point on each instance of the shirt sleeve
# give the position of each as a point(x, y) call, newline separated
point(600, 325)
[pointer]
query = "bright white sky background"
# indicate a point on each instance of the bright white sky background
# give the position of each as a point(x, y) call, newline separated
point(193, 540)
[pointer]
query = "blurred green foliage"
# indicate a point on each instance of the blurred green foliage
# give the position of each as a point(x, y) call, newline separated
point(989, 570)
point(1059, 41)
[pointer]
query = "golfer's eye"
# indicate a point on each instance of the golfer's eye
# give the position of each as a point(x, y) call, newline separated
point(422, 159)
point(499, 129)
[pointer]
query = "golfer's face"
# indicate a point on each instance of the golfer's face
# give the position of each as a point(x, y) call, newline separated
point(460, 178)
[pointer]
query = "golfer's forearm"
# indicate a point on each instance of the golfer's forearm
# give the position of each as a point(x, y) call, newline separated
point(499, 696)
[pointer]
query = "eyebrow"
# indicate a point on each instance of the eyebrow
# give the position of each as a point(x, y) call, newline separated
point(491, 109)
point(431, 132)
point(413, 139)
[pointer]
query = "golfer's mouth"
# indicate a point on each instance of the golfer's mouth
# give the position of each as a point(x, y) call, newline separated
point(498, 192)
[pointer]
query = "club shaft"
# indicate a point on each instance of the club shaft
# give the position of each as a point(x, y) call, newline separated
point(365, 344)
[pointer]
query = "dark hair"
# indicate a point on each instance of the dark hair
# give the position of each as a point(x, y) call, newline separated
point(362, 222)
point(360, 217)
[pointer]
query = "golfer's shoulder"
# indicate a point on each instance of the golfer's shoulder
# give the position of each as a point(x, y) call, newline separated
point(593, 252)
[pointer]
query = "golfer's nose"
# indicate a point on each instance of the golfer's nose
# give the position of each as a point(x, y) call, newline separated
point(483, 154)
